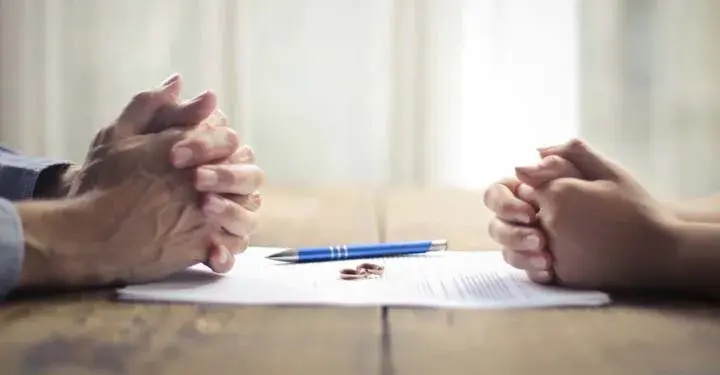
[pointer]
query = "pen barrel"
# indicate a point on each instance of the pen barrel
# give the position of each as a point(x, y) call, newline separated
point(341, 252)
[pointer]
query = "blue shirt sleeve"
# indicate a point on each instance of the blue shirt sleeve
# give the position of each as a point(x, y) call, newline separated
point(19, 174)
point(12, 247)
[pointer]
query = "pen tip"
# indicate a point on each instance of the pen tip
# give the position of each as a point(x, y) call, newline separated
point(280, 254)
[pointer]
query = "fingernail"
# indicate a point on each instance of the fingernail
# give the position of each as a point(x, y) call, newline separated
point(214, 205)
point(199, 97)
point(224, 255)
point(525, 192)
point(543, 275)
point(248, 152)
point(528, 168)
point(547, 148)
point(206, 178)
point(181, 156)
point(538, 262)
point(522, 218)
point(170, 80)
point(532, 242)
point(534, 170)
point(544, 151)
point(254, 200)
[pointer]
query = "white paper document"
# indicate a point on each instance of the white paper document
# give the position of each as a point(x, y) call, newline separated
point(457, 279)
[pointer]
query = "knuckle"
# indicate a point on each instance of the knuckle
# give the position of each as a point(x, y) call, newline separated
point(223, 138)
point(562, 166)
point(226, 176)
point(505, 206)
point(516, 234)
point(202, 146)
point(577, 144)
point(508, 182)
point(498, 231)
point(550, 219)
point(560, 187)
point(493, 192)
point(230, 137)
point(554, 161)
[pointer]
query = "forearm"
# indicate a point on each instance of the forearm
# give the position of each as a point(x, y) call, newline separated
point(696, 263)
point(698, 210)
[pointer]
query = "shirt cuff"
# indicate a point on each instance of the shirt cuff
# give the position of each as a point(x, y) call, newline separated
point(20, 174)
point(12, 247)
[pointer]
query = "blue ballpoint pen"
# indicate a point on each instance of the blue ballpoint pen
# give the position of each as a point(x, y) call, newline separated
point(342, 252)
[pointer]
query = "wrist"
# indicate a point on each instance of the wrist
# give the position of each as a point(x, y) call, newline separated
point(52, 243)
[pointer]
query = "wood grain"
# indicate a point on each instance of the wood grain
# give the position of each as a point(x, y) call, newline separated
point(97, 336)
point(619, 340)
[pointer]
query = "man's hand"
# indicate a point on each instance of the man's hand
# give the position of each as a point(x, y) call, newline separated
point(231, 197)
point(603, 229)
point(516, 226)
point(130, 216)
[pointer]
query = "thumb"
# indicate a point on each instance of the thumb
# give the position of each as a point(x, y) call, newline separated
point(172, 85)
point(143, 107)
point(188, 113)
point(550, 168)
point(588, 162)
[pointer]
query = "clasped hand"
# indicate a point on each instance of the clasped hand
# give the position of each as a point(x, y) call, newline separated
point(166, 186)
point(580, 220)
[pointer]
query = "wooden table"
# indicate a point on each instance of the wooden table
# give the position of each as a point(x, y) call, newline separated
point(92, 334)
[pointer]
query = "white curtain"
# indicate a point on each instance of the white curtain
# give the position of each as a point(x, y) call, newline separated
point(369, 92)
point(378, 92)
point(650, 92)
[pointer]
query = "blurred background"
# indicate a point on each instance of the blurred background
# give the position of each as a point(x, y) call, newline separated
point(384, 92)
